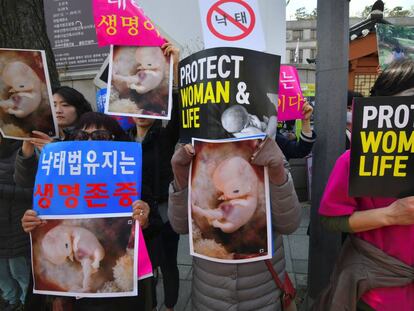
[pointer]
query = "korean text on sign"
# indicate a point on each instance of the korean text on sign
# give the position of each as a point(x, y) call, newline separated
point(290, 95)
point(123, 22)
point(91, 177)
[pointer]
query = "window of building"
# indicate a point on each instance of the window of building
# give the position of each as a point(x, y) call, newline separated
point(297, 34)
point(313, 34)
point(292, 56)
point(300, 56)
point(313, 53)
point(364, 82)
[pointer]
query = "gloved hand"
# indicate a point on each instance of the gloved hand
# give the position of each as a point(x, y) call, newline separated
point(180, 163)
point(269, 154)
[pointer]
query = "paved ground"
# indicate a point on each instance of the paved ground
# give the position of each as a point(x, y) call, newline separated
point(296, 252)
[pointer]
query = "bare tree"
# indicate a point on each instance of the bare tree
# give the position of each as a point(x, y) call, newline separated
point(22, 26)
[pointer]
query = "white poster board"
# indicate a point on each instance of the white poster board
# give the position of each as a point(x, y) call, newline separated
point(180, 22)
point(232, 23)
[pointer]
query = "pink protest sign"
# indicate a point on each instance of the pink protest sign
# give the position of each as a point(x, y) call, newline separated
point(290, 95)
point(144, 262)
point(123, 22)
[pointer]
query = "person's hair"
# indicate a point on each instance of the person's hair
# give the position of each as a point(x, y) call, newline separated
point(101, 121)
point(74, 98)
point(351, 95)
point(396, 78)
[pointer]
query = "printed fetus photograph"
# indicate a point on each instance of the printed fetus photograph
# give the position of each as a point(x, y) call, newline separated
point(229, 208)
point(140, 80)
point(238, 122)
point(85, 257)
point(25, 94)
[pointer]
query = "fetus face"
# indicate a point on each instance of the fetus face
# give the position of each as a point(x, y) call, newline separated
point(236, 179)
point(124, 70)
point(233, 177)
point(151, 69)
point(25, 88)
point(57, 245)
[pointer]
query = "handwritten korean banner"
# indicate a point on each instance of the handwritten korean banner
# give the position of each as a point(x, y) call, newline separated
point(123, 22)
point(290, 95)
point(87, 177)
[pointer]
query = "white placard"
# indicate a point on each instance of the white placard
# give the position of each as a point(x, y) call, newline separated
point(232, 23)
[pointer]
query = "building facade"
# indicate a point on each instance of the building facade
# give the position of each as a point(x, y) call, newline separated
point(301, 35)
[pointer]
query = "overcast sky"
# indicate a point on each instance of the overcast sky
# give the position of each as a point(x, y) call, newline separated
point(355, 5)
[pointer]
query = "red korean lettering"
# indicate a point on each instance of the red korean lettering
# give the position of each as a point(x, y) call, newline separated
point(45, 193)
point(72, 192)
point(125, 191)
point(96, 193)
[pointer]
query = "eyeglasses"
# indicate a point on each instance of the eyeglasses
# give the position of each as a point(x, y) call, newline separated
point(95, 135)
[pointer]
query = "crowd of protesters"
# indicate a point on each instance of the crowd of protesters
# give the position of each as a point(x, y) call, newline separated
point(379, 230)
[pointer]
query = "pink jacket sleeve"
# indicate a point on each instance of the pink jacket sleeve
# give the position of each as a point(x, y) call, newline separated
point(335, 200)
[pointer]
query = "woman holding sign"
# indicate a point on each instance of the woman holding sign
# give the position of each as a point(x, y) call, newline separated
point(247, 286)
point(158, 143)
point(97, 126)
point(70, 105)
point(375, 268)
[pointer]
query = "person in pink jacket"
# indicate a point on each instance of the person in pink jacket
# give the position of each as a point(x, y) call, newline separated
point(386, 223)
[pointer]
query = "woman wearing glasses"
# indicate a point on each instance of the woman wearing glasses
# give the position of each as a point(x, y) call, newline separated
point(97, 126)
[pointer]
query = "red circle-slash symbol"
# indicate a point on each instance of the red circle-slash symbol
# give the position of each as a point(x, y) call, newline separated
point(245, 30)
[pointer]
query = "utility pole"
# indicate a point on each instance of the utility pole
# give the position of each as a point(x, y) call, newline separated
point(330, 120)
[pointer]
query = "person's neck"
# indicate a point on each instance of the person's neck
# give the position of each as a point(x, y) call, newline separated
point(142, 131)
point(61, 133)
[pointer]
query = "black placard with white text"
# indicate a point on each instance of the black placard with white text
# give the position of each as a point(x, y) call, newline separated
point(382, 147)
point(228, 92)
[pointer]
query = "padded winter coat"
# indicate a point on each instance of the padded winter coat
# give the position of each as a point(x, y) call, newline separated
point(240, 287)
point(14, 201)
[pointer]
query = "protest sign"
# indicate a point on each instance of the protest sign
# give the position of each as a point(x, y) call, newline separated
point(125, 122)
point(382, 147)
point(85, 257)
point(188, 32)
point(228, 92)
point(123, 22)
point(308, 90)
point(290, 101)
point(71, 32)
point(26, 102)
point(88, 178)
point(228, 205)
point(144, 262)
point(232, 23)
point(89, 245)
point(394, 43)
point(140, 80)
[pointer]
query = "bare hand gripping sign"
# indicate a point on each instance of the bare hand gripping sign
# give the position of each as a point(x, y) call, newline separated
point(228, 92)
point(382, 148)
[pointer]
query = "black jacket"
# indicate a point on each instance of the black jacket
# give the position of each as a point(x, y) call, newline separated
point(293, 149)
point(14, 201)
point(157, 150)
